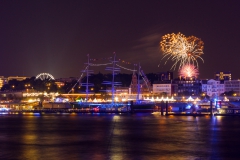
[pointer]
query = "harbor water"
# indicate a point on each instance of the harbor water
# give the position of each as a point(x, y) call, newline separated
point(118, 136)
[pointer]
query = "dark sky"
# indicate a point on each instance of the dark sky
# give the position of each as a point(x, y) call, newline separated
point(55, 36)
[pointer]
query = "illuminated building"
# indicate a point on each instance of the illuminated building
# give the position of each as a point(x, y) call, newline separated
point(2, 81)
point(213, 87)
point(17, 78)
point(144, 87)
point(59, 84)
point(134, 84)
point(232, 85)
point(121, 90)
point(11, 95)
point(188, 87)
point(223, 76)
point(118, 90)
point(162, 87)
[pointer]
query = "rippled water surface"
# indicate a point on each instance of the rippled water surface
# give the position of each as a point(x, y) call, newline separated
point(118, 136)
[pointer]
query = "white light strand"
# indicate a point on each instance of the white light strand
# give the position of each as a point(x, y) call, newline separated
point(125, 68)
point(78, 79)
point(145, 80)
point(91, 64)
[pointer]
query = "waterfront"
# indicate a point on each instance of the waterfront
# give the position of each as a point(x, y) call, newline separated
point(118, 136)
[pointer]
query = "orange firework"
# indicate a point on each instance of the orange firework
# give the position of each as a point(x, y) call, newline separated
point(181, 49)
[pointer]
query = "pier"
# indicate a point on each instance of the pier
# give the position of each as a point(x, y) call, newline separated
point(162, 108)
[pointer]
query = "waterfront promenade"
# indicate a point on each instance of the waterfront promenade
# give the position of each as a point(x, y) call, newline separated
point(176, 108)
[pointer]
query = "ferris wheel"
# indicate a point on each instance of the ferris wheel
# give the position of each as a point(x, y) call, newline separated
point(45, 76)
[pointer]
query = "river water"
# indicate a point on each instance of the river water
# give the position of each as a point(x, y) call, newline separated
point(118, 136)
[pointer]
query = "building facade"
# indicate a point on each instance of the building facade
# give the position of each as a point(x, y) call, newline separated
point(188, 87)
point(213, 87)
point(17, 78)
point(164, 88)
point(3, 81)
point(232, 85)
point(144, 86)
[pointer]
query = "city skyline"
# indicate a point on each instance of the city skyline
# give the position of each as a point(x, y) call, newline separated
point(56, 36)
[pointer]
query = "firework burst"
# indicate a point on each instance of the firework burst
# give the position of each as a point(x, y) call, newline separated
point(188, 71)
point(181, 50)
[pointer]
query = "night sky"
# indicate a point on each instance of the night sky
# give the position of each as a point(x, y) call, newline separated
point(55, 36)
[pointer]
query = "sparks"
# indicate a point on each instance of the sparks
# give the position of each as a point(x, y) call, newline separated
point(181, 50)
point(188, 71)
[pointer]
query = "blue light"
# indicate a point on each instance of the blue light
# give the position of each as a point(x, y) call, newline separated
point(4, 109)
point(95, 104)
point(188, 106)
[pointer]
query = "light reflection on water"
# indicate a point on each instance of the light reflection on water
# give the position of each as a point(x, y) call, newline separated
point(115, 136)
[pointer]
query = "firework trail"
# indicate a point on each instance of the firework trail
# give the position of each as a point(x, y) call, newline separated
point(181, 50)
